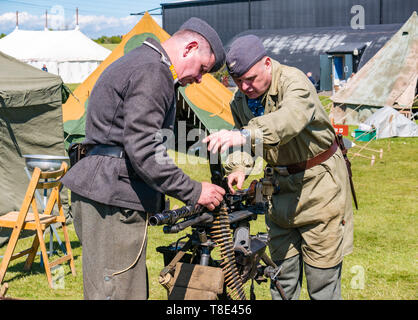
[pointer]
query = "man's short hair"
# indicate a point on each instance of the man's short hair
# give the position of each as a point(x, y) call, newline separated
point(188, 35)
point(203, 28)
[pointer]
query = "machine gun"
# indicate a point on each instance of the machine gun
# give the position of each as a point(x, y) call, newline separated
point(228, 228)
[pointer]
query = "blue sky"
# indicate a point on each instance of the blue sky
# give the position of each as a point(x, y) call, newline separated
point(96, 17)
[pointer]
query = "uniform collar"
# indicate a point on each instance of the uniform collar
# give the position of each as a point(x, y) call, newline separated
point(154, 44)
point(276, 70)
point(158, 45)
point(270, 96)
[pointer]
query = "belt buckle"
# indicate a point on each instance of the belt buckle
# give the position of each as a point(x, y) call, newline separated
point(282, 171)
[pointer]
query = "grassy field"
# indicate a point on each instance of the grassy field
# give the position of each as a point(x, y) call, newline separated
point(109, 46)
point(382, 266)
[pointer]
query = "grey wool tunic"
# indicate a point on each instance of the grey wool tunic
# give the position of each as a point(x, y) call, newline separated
point(131, 102)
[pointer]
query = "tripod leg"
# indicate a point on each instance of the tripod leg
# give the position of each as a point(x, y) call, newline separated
point(280, 288)
point(267, 260)
point(204, 256)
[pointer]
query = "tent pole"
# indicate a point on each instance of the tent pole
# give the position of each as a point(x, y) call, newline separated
point(373, 150)
point(363, 147)
point(372, 158)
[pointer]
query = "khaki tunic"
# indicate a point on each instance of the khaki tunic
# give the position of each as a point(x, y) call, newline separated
point(312, 213)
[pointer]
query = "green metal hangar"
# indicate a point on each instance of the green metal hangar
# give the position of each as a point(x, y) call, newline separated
point(331, 39)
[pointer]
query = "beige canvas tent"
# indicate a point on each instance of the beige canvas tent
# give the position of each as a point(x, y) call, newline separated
point(387, 79)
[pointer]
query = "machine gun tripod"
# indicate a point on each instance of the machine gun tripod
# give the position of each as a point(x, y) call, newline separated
point(228, 228)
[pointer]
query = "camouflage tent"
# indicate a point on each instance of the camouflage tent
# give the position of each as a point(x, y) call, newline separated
point(208, 101)
point(30, 123)
point(387, 79)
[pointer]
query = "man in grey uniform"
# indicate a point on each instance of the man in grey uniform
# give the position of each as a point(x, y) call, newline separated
point(310, 218)
point(127, 170)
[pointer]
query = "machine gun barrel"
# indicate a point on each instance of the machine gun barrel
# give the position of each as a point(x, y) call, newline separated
point(203, 218)
point(171, 216)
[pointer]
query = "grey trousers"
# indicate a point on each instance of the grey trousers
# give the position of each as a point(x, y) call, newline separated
point(111, 238)
point(322, 284)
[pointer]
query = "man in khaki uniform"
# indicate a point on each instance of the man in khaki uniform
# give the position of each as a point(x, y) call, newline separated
point(310, 220)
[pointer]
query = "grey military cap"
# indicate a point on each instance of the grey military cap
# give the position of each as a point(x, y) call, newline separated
point(201, 27)
point(244, 52)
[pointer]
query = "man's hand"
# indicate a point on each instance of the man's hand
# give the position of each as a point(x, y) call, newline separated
point(236, 178)
point(224, 139)
point(211, 195)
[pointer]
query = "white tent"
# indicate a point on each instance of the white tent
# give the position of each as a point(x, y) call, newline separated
point(69, 54)
point(391, 123)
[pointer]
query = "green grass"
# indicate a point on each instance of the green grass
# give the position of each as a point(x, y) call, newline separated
point(33, 285)
point(109, 46)
point(325, 100)
point(385, 235)
point(72, 86)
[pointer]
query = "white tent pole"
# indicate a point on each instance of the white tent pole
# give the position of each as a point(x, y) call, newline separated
point(17, 19)
point(76, 16)
point(46, 19)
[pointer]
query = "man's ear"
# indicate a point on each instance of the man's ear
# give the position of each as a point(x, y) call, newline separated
point(190, 47)
point(267, 63)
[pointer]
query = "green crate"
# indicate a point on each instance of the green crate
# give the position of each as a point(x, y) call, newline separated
point(361, 135)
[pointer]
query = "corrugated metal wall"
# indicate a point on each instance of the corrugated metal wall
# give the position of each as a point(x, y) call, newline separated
point(274, 14)
point(396, 11)
point(232, 17)
point(302, 47)
point(228, 18)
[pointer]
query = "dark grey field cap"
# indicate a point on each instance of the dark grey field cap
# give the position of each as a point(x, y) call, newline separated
point(244, 52)
point(204, 29)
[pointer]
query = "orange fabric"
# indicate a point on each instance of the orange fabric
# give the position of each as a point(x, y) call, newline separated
point(210, 95)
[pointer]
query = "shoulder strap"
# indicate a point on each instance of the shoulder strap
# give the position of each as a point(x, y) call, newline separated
point(340, 141)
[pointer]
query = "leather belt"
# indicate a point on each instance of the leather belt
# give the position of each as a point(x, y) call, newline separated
point(305, 165)
point(106, 150)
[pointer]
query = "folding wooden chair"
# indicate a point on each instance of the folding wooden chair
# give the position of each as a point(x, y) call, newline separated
point(25, 220)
